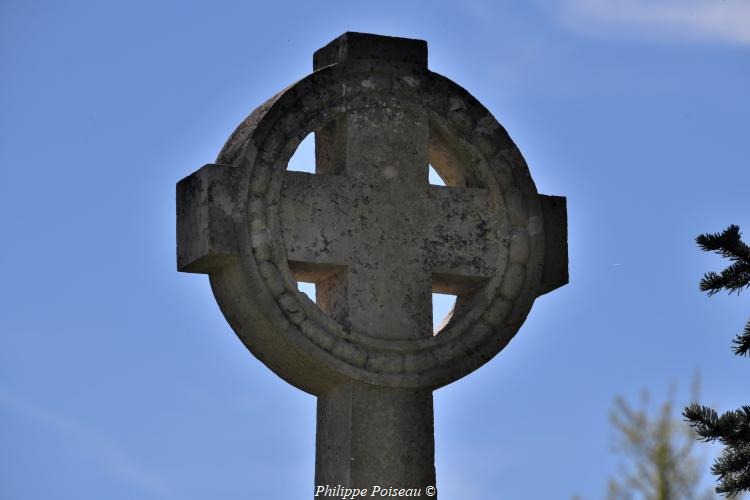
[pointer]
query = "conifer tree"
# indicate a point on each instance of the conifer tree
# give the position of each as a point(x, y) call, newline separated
point(660, 463)
point(732, 429)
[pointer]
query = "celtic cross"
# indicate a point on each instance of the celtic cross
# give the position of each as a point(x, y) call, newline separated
point(377, 240)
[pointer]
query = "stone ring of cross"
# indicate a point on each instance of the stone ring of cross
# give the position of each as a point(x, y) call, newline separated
point(368, 228)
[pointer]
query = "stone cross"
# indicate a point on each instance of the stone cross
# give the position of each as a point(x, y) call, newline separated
point(377, 240)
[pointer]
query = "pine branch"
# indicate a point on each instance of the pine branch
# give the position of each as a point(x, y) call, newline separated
point(733, 461)
point(704, 421)
point(734, 278)
point(728, 244)
point(742, 341)
point(730, 429)
point(733, 469)
point(731, 487)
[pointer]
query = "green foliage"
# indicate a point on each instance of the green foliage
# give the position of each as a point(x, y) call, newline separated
point(732, 429)
point(660, 463)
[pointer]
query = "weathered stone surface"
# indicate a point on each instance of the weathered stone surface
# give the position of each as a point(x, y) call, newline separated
point(555, 272)
point(453, 238)
point(375, 436)
point(205, 230)
point(378, 53)
point(377, 240)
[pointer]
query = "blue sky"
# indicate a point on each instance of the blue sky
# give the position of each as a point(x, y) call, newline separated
point(120, 379)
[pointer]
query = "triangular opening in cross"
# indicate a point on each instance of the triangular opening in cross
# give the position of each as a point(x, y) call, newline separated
point(435, 178)
point(308, 289)
point(442, 306)
point(303, 159)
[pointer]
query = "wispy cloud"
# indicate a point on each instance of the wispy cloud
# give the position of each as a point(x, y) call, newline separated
point(722, 21)
point(95, 445)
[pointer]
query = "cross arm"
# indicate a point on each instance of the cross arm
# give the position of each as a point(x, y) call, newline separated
point(463, 242)
point(205, 231)
point(555, 272)
point(316, 214)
